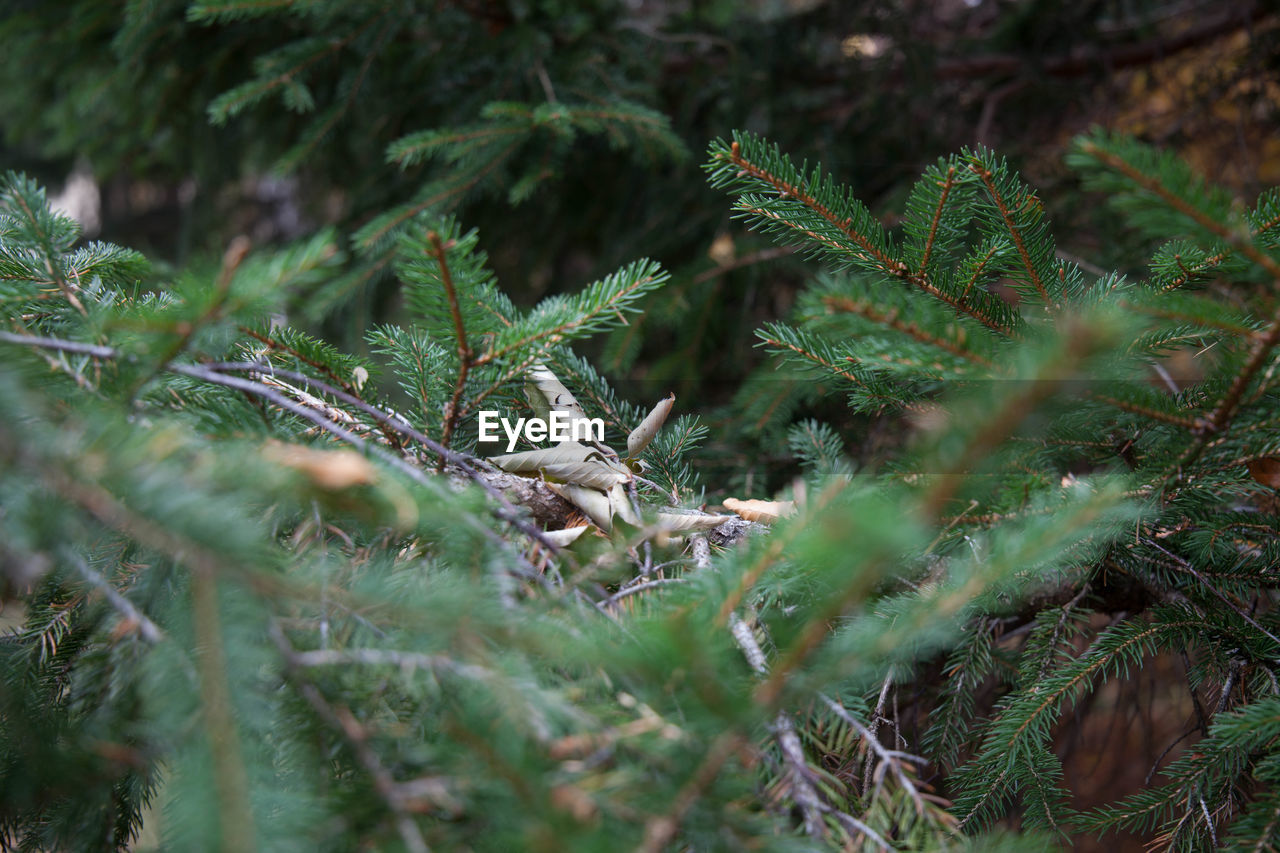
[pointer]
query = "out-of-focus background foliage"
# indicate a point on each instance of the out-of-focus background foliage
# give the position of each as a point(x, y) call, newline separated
point(199, 121)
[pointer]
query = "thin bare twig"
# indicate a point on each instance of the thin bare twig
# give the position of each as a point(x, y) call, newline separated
point(463, 462)
point(149, 630)
point(1235, 608)
point(802, 787)
point(59, 345)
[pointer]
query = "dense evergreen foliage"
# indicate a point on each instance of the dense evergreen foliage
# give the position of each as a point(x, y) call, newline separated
point(282, 614)
point(262, 586)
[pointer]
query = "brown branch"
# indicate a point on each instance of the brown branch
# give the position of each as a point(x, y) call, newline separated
point(438, 250)
point(744, 261)
point(1146, 412)
point(1020, 244)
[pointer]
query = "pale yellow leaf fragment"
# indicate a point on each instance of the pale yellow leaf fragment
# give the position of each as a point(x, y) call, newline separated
point(691, 520)
point(329, 469)
point(546, 394)
point(566, 537)
point(765, 512)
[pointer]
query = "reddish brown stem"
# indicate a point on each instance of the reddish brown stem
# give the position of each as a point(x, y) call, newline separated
point(1014, 232)
point(438, 250)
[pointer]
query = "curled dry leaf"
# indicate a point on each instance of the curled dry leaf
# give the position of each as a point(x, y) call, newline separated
point(620, 503)
point(640, 437)
point(594, 503)
point(765, 512)
point(1265, 470)
point(567, 462)
point(328, 469)
point(676, 521)
point(547, 394)
point(566, 537)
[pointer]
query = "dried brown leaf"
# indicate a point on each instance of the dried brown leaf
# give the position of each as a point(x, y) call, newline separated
point(1265, 470)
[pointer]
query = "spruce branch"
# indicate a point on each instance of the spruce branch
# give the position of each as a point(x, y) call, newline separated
point(1015, 230)
point(661, 830)
point(912, 330)
point(212, 375)
point(1152, 182)
point(282, 346)
point(802, 786)
point(462, 461)
point(18, 191)
point(344, 722)
point(871, 249)
point(842, 237)
point(1145, 411)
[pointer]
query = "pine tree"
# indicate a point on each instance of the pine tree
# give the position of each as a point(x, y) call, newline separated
point(274, 596)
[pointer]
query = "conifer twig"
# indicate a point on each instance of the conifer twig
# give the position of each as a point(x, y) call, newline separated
point(863, 309)
point(210, 373)
point(988, 180)
point(805, 793)
point(438, 251)
point(661, 830)
point(890, 266)
point(937, 218)
point(306, 413)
